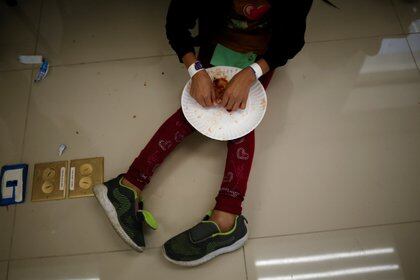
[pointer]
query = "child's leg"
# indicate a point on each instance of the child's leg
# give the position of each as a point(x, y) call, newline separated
point(172, 132)
point(237, 169)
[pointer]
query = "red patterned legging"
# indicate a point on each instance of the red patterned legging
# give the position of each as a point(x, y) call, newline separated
point(172, 132)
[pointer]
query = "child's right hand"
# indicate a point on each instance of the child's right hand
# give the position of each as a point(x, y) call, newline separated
point(202, 89)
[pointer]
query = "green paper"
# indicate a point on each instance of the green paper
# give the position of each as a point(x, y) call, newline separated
point(223, 56)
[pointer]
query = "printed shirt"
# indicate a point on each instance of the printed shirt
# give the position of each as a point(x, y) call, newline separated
point(247, 27)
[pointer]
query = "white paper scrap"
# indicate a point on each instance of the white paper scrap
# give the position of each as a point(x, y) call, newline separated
point(61, 149)
point(30, 59)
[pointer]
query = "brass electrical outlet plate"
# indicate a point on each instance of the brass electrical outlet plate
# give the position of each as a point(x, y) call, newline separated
point(84, 174)
point(49, 181)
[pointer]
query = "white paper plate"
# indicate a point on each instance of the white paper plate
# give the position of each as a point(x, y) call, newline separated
point(217, 123)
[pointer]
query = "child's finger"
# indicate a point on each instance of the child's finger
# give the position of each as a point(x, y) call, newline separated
point(236, 106)
point(207, 100)
point(230, 104)
point(225, 100)
point(213, 97)
point(243, 103)
point(200, 101)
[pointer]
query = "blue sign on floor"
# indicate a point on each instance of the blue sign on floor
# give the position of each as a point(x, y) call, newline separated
point(13, 184)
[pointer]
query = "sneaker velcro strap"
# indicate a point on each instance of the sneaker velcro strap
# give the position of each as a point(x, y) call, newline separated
point(203, 231)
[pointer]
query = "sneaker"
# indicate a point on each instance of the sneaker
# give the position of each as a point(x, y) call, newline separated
point(204, 242)
point(123, 210)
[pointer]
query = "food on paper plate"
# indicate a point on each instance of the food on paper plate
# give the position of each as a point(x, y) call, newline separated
point(219, 85)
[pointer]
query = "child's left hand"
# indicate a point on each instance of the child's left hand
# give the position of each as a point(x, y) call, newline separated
point(237, 91)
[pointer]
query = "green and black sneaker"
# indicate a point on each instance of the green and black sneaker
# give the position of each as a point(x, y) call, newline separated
point(124, 211)
point(204, 242)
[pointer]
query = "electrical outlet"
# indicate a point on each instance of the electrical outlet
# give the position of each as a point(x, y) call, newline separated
point(49, 181)
point(84, 174)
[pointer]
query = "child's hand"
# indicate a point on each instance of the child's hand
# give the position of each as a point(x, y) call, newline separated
point(237, 91)
point(202, 89)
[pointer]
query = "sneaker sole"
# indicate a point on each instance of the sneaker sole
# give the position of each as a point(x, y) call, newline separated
point(235, 246)
point(100, 192)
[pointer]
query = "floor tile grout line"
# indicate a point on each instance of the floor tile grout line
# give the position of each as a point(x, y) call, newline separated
point(112, 60)
point(31, 83)
point(356, 38)
point(76, 254)
point(335, 230)
point(97, 61)
point(35, 46)
point(11, 241)
point(251, 238)
point(246, 269)
point(38, 30)
point(15, 70)
point(394, 7)
point(408, 34)
point(23, 139)
point(173, 54)
point(21, 159)
point(7, 269)
point(412, 55)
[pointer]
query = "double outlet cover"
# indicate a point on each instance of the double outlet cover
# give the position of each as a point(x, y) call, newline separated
point(61, 179)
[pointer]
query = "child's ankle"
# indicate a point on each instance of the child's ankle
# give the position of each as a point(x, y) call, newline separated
point(225, 220)
point(127, 184)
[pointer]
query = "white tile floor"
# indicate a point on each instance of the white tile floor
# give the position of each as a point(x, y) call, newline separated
point(414, 41)
point(336, 180)
point(3, 270)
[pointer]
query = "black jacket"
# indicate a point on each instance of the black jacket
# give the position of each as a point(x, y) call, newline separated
point(288, 26)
